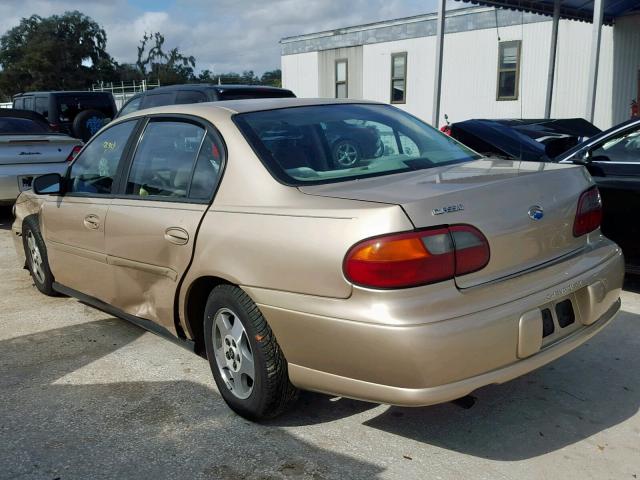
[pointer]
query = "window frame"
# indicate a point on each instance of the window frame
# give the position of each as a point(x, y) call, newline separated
point(601, 143)
point(121, 163)
point(501, 47)
point(344, 82)
point(403, 78)
point(128, 162)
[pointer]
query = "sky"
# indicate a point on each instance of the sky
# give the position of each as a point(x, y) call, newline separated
point(223, 35)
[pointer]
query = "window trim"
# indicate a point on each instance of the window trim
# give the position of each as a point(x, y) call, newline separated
point(403, 78)
point(346, 77)
point(501, 47)
point(128, 162)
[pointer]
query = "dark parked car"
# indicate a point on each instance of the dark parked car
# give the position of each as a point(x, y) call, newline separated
point(197, 93)
point(533, 140)
point(613, 160)
point(79, 114)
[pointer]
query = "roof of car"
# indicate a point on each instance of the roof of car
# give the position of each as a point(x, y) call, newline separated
point(220, 88)
point(64, 92)
point(245, 106)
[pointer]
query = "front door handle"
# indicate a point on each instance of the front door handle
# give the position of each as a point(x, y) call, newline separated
point(176, 235)
point(92, 221)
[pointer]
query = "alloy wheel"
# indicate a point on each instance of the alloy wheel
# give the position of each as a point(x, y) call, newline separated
point(233, 353)
point(35, 257)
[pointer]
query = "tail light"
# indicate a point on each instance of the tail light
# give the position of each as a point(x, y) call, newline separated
point(55, 127)
point(74, 153)
point(410, 259)
point(446, 129)
point(589, 212)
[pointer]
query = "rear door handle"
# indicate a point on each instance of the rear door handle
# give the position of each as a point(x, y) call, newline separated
point(176, 235)
point(92, 221)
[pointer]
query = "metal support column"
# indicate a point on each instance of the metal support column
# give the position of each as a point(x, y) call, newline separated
point(552, 58)
point(598, 14)
point(437, 90)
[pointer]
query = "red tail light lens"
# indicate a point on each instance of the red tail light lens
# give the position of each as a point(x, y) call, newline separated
point(416, 258)
point(54, 127)
point(74, 153)
point(589, 213)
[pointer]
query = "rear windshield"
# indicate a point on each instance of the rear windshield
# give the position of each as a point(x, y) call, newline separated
point(239, 94)
point(10, 125)
point(339, 142)
point(70, 105)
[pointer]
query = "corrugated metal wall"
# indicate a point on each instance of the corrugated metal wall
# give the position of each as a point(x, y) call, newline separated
point(326, 71)
point(470, 72)
point(626, 66)
point(300, 74)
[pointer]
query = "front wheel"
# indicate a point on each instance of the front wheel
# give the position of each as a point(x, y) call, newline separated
point(248, 365)
point(36, 254)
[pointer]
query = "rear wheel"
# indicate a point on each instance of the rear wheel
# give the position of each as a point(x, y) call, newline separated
point(247, 363)
point(36, 254)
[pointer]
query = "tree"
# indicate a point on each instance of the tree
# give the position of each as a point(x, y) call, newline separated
point(168, 67)
point(60, 52)
point(272, 78)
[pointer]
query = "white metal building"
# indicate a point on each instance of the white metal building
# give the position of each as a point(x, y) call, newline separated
point(495, 65)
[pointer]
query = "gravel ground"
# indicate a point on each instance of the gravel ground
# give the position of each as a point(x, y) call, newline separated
point(85, 395)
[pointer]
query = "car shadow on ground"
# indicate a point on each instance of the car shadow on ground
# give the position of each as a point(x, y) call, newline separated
point(6, 218)
point(53, 425)
point(590, 390)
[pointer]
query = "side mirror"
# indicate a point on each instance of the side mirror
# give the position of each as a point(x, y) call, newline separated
point(49, 184)
point(582, 158)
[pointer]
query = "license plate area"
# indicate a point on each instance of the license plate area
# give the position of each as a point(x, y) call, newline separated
point(25, 182)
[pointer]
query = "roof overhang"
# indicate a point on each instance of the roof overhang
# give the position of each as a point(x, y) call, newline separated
point(570, 9)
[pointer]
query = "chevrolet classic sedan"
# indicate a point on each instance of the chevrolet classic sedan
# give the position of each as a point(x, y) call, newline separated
point(412, 277)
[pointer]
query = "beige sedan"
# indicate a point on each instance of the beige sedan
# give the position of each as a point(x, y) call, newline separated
point(411, 273)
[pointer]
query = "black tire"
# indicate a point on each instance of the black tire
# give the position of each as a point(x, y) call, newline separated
point(271, 392)
point(38, 268)
point(346, 153)
point(87, 123)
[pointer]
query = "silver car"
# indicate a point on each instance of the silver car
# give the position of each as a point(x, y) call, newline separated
point(29, 148)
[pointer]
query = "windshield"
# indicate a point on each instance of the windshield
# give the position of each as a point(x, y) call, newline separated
point(339, 142)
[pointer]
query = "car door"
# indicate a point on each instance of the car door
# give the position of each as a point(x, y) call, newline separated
point(154, 221)
point(614, 164)
point(74, 224)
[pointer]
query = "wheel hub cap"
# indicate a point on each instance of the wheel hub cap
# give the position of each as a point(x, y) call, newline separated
point(233, 354)
point(35, 257)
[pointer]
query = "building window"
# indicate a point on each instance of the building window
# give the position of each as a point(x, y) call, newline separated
point(508, 70)
point(342, 90)
point(399, 77)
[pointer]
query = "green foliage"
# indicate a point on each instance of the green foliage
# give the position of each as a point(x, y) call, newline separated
point(68, 52)
point(60, 52)
point(169, 67)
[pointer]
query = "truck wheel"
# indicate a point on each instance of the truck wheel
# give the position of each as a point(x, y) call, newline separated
point(36, 253)
point(248, 365)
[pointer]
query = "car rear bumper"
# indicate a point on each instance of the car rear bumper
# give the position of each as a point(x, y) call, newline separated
point(416, 364)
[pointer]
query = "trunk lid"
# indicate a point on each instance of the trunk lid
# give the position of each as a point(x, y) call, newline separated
point(494, 196)
point(25, 149)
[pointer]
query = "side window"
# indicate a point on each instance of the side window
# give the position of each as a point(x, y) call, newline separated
point(158, 100)
point(132, 106)
point(207, 171)
point(164, 160)
point(623, 149)
point(42, 106)
point(409, 147)
point(28, 103)
point(190, 96)
point(95, 169)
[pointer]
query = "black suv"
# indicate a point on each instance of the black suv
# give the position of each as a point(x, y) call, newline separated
point(197, 93)
point(79, 114)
